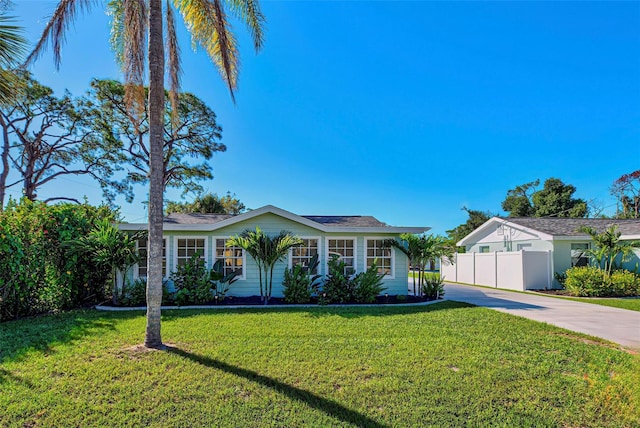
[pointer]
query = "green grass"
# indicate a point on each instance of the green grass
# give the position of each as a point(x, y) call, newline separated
point(447, 364)
point(631, 304)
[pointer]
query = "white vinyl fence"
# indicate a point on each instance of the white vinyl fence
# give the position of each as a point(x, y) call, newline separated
point(515, 270)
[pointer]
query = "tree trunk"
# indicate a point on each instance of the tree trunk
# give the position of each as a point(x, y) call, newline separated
point(5, 162)
point(153, 338)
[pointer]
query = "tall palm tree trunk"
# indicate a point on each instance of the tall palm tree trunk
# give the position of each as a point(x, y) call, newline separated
point(153, 338)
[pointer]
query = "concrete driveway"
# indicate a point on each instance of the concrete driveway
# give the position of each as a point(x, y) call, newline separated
point(616, 325)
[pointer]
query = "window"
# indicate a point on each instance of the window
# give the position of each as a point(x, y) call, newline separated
point(383, 256)
point(578, 256)
point(483, 249)
point(233, 257)
point(303, 254)
point(523, 246)
point(345, 249)
point(187, 248)
point(143, 252)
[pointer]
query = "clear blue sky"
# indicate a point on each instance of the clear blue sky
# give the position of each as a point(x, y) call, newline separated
point(403, 110)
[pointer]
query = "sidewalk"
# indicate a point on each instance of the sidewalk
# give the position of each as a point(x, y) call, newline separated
point(616, 325)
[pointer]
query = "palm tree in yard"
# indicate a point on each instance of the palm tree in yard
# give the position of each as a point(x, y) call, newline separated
point(410, 245)
point(139, 41)
point(266, 251)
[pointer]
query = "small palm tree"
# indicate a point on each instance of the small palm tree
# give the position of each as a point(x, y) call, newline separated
point(607, 247)
point(410, 245)
point(110, 248)
point(266, 251)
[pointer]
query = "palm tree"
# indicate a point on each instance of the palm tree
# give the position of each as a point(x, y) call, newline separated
point(266, 251)
point(112, 248)
point(410, 245)
point(12, 47)
point(607, 247)
point(133, 22)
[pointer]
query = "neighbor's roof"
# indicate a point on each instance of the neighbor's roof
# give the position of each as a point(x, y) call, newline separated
point(211, 222)
point(550, 228)
point(569, 226)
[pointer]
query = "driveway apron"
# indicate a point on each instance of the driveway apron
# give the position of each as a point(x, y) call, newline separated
point(621, 326)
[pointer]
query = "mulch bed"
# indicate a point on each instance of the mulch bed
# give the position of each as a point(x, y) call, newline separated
point(257, 301)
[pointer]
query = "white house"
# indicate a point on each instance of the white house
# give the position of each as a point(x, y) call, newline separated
point(558, 238)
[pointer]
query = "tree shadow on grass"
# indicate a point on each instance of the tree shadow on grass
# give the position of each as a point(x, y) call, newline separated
point(325, 405)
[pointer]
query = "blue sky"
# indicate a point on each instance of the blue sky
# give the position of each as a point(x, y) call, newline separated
point(402, 110)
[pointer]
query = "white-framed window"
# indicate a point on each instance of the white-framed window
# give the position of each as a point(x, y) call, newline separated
point(578, 255)
point(375, 249)
point(303, 254)
point(140, 270)
point(345, 249)
point(188, 246)
point(234, 257)
point(483, 249)
point(522, 247)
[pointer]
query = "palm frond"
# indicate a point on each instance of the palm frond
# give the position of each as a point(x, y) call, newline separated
point(207, 22)
point(55, 31)
point(249, 12)
point(134, 51)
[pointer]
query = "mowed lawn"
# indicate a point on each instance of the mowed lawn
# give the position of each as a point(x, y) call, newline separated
point(447, 364)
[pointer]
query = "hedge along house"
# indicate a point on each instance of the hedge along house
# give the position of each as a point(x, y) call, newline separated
point(545, 246)
point(357, 240)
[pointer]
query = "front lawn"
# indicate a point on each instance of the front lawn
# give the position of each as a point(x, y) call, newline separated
point(623, 303)
point(447, 364)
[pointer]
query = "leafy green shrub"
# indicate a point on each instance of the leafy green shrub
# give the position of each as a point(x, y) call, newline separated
point(38, 270)
point(560, 277)
point(299, 285)
point(337, 287)
point(195, 285)
point(192, 283)
point(587, 281)
point(433, 286)
point(135, 294)
point(625, 283)
point(368, 285)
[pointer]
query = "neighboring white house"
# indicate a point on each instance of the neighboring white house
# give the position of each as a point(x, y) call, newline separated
point(357, 240)
point(559, 238)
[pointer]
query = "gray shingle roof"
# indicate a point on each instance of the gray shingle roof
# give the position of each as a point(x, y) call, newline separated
point(193, 218)
point(569, 226)
point(331, 221)
point(346, 220)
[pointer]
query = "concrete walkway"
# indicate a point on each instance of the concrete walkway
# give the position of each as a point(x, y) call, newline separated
point(616, 325)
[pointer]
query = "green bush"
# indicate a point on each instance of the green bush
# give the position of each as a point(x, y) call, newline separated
point(367, 285)
point(587, 281)
point(337, 287)
point(192, 283)
point(135, 294)
point(433, 286)
point(625, 283)
point(591, 281)
point(38, 270)
point(299, 284)
point(340, 288)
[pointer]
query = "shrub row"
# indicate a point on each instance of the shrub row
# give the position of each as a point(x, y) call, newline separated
point(39, 270)
point(590, 281)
